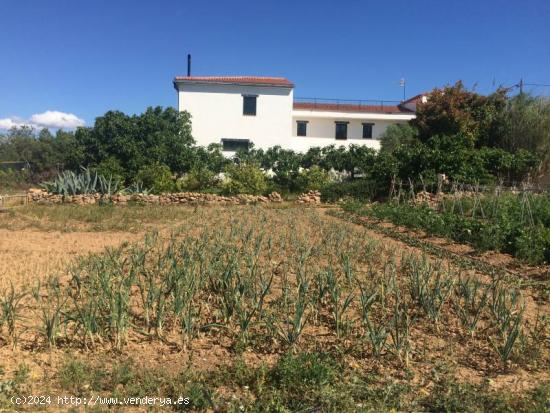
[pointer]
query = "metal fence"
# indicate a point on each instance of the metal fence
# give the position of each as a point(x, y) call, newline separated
point(7, 201)
point(14, 165)
point(323, 103)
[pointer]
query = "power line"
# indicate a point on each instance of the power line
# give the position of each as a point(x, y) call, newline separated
point(521, 84)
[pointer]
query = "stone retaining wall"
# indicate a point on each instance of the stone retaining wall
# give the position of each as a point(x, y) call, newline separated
point(43, 197)
point(310, 197)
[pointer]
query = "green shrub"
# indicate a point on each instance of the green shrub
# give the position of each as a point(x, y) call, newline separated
point(305, 369)
point(396, 135)
point(77, 376)
point(313, 178)
point(533, 245)
point(295, 382)
point(244, 178)
point(10, 179)
point(157, 177)
point(361, 189)
point(498, 223)
point(453, 156)
point(111, 167)
point(197, 179)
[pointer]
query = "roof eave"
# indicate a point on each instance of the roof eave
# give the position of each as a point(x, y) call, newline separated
point(217, 82)
point(405, 109)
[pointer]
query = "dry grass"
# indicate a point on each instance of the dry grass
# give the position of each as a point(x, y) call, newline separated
point(30, 255)
point(67, 218)
point(38, 241)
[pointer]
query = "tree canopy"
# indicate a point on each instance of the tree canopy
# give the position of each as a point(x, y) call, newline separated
point(458, 132)
point(454, 109)
point(123, 144)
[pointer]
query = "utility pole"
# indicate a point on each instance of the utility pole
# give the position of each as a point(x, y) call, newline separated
point(521, 86)
point(402, 84)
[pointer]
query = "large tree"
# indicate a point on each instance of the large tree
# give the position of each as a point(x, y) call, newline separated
point(525, 124)
point(127, 144)
point(46, 153)
point(396, 135)
point(455, 110)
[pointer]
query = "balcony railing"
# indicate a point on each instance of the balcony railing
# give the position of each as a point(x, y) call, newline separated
point(323, 103)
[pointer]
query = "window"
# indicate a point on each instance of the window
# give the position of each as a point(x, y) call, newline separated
point(301, 127)
point(367, 130)
point(341, 130)
point(249, 105)
point(233, 145)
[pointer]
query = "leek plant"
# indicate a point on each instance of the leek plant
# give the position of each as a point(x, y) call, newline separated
point(471, 300)
point(504, 306)
point(292, 327)
point(340, 301)
point(11, 306)
point(428, 287)
point(377, 334)
point(400, 328)
point(509, 336)
point(51, 301)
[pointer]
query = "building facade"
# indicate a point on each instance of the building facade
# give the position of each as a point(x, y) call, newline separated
point(238, 111)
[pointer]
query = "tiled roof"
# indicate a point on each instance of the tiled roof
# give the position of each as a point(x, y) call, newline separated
point(417, 98)
point(340, 107)
point(240, 80)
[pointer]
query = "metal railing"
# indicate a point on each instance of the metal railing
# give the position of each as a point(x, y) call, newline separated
point(14, 165)
point(323, 102)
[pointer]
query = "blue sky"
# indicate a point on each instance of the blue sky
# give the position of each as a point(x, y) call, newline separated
point(86, 57)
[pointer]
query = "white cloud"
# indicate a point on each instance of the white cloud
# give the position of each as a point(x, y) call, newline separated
point(55, 119)
point(49, 119)
point(9, 123)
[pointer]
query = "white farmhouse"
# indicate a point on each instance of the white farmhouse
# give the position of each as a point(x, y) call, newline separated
point(236, 111)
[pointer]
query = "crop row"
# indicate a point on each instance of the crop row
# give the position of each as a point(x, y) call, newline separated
point(508, 225)
point(270, 281)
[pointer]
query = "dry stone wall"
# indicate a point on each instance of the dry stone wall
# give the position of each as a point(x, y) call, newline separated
point(43, 197)
point(310, 197)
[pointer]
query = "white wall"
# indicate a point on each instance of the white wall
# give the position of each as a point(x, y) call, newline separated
point(217, 113)
point(321, 128)
point(325, 127)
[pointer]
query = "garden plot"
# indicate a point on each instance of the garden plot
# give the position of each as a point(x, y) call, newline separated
point(278, 309)
point(514, 223)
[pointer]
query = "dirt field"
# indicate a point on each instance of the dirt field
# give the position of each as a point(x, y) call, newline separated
point(289, 309)
point(29, 255)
